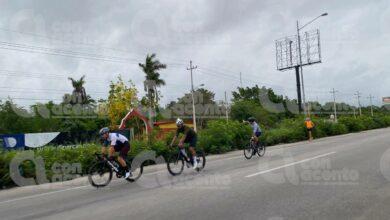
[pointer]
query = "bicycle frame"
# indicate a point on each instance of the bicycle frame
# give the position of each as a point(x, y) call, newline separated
point(112, 166)
point(181, 155)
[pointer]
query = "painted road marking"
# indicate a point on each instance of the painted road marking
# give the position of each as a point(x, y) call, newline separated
point(290, 164)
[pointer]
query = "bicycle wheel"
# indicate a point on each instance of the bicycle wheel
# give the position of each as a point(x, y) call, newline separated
point(261, 149)
point(248, 151)
point(100, 174)
point(136, 172)
point(175, 165)
point(201, 159)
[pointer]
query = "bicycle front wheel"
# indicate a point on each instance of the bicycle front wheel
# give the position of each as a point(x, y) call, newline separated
point(248, 151)
point(136, 172)
point(100, 174)
point(201, 159)
point(175, 165)
point(261, 149)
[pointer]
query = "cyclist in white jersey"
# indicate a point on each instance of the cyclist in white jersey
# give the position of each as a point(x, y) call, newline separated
point(116, 143)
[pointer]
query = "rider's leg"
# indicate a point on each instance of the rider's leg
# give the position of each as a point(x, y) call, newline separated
point(183, 151)
point(111, 152)
point(122, 158)
point(193, 152)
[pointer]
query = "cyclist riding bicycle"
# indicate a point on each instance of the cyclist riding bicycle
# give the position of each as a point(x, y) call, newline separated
point(256, 130)
point(116, 143)
point(190, 137)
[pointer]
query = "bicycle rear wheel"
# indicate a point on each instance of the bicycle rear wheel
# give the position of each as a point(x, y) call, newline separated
point(100, 174)
point(248, 151)
point(261, 149)
point(175, 165)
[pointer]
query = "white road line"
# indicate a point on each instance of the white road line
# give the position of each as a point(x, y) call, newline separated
point(42, 194)
point(290, 164)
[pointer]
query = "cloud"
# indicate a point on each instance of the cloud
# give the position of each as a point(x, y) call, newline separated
point(222, 37)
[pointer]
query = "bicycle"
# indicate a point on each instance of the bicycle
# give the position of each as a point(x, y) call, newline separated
point(104, 169)
point(175, 162)
point(253, 148)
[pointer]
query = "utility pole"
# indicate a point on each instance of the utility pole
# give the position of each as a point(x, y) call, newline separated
point(241, 79)
point(334, 103)
point(192, 93)
point(359, 95)
point(226, 107)
point(372, 110)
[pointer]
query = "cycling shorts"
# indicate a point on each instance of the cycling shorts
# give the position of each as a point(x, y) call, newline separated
point(122, 148)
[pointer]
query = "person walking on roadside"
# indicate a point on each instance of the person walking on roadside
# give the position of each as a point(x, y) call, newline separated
point(309, 127)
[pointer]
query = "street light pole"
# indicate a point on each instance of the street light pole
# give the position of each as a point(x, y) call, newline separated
point(300, 58)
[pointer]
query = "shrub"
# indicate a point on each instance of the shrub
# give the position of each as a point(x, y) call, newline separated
point(221, 136)
point(353, 124)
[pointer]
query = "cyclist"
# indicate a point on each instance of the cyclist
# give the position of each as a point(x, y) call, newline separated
point(189, 136)
point(116, 143)
point(256, 130)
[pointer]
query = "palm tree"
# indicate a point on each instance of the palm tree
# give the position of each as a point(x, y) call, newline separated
point(152, 76)
point(79, 96)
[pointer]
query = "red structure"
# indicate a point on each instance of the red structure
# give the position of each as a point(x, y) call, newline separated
point(135, 113)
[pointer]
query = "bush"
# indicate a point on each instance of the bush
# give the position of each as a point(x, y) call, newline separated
point(353, 124)
point(289, 130)
point(221, 136)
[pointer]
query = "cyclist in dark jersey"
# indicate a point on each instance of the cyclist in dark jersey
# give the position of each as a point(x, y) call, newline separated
point(189, 137)
point(116, 143)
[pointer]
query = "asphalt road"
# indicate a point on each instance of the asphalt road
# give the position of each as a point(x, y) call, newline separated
point(343, 177)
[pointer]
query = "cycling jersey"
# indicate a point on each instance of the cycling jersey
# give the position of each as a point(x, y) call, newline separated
point(121, 144)
point(115, 139)
point(255, 128)
point(188, 132)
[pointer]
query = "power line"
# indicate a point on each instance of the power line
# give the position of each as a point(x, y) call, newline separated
point(80, 43)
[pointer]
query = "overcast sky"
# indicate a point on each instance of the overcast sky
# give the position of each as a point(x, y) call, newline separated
point(102, 39)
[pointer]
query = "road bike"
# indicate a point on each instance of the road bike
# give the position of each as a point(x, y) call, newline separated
point(176, 161)
point(100, 173)
point(252, 148)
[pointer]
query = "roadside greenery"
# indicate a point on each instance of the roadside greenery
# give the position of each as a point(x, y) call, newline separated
point(81, 116)
point(218, 137)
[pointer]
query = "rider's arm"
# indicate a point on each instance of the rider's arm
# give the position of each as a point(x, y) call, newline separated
point(173, 140)
point(104, 147)
point(182, 140)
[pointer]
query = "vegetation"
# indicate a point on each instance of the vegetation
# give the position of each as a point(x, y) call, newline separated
point(153, 79)
point(277, 115)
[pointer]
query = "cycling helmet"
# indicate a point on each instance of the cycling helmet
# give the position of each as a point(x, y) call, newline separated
point(179, 122)
point(251, 119)
point(104, 131)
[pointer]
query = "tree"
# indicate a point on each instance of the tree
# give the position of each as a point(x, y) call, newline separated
point(152, 77)
point(120, 100)
point(79, 95)
point(205, 106)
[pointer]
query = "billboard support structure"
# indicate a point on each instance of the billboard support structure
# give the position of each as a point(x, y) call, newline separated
point(298, 89)
point(294, 52)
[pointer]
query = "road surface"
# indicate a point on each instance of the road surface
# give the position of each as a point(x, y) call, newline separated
point(342, 177)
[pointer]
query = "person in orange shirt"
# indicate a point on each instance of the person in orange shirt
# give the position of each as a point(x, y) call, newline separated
point(309, 126)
